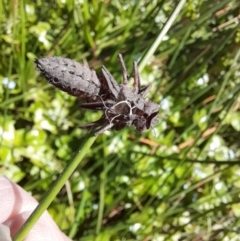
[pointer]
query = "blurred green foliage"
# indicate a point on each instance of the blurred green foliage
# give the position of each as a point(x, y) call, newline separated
point(178, 182)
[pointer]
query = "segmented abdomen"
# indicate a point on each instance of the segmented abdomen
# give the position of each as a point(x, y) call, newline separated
point(70, 76)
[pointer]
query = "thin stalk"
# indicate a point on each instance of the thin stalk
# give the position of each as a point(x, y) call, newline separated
point(53, 191)
point(160, 37)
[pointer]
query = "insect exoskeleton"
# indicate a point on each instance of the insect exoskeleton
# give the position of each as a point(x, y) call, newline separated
point(121, 105)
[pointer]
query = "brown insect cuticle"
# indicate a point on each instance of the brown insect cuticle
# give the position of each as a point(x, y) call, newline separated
point(121, 105)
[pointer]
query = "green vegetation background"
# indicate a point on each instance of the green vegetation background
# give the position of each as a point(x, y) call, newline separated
point(181, 183)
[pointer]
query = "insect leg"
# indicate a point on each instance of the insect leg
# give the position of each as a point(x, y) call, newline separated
point(114, 118)
point(136, 78)
point(93, 106)
point(103, 102)
point(88, 125)
point(105, 110)
point(124, 70)
point(100, 122)
point(100, 105)
point(109, 126)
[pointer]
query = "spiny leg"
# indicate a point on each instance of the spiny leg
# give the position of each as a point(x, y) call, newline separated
point(136, 77)
point(124, 70)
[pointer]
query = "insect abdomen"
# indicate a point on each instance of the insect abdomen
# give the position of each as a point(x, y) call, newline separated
point(69, 76)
